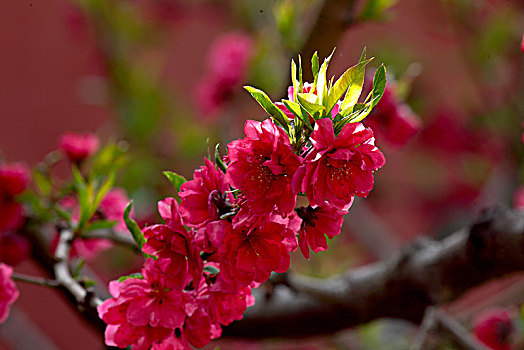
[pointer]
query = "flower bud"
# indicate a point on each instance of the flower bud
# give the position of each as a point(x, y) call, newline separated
point(78, 147)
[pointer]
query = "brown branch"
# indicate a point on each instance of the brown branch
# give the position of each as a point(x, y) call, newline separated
point(82, 297)
point(118, 238)
point(424, 274)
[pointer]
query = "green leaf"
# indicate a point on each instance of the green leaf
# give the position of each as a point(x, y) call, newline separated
point(99, 225)
point(300, 79)
point(312, 108)
point(132, 226)
point(218, 160)
point(102, 192)
point(211, 269)
point(43, 183)
point(175, 179)
point(362, 56)
point(294, 80)
point(374, 9)
point(269, 106)
point(379, 85)
point(133, 275)
point(322, 80)
point(83, 196)
point(351, 81)
point(78, 268)
point(314, 68)
point(299, 112)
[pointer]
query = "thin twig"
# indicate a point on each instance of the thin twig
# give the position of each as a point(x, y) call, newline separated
point(40, 281)
point(121, 239)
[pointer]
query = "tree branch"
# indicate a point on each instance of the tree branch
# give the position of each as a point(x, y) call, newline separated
point(423, 274)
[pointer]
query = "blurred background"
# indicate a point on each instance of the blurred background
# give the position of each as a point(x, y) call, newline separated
point(166, 77)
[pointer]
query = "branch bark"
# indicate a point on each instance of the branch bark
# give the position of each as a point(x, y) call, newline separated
point(423, 274)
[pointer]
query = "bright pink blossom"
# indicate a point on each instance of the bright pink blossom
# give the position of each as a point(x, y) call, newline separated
point(205, 198)
point(8, 291)
point(317, 223)
point(112, 207)
point(145, 310)
point(78, 147)
point(14, 178)
point(173, 242)
point(251, 254)
point(226, 307)
point(262, 166)
point(494, 328)
point(336, 169)
point(522, 44)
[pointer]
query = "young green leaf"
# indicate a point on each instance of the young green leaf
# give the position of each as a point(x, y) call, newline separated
point(322, 80)
point(299, 112)
point(312, 108)
point(314, 68)
point(294, 80)
point(175, 179)
point(269, 106)
point(99, 225)
point(351, 81)
point(133, 228)
point(379, 85)
point(218, 160)
point(133, 275)
point(211, 269)
point(362, 56)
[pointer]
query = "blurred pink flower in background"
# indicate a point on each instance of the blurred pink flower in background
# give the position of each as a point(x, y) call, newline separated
point(78, 147)
point(493, 327)
point(8, 291)
point(227, 65)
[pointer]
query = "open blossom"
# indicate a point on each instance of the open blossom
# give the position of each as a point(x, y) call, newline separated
point(173, 242)
point(262, 166)
point(8, 291)
point(494, 328)
point(78, 147)
point(336, 169)
point(205, 198)
point(251, 254)
point(143, 311)
point(317, 223)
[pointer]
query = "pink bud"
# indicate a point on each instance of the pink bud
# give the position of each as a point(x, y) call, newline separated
point(493, 327)
point(78, 147)
point(522, 44)
point(14, 178)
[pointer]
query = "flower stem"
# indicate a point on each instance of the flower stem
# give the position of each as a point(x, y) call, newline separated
point(34, 280)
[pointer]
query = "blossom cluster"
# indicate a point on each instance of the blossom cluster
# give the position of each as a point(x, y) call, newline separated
point(238, 221)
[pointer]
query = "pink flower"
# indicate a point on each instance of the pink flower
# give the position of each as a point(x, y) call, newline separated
point(494, 328)
point(112, 207)
point(229, 57)
point(317, 223)
point(143, 311)
point(336, 169)
point(262, 166)
point(14, 178)
point(251, 254)
point(8, 291)
point(395, 120)
point(172, 242)
point(522, 44)
point(226, 307)
point(78, 147)
point(204, 199)
point(199, 330)
point(14, 248)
